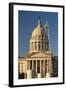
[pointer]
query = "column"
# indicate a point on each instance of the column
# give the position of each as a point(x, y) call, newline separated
point(44, 68)
point(40, 66)
point(37, 46)
point(47, 66)
point(44, 46)
point(20, 68)
point(29, 64)
point(41, 46)
point(36, 66)
point(32, 64)
point(48, 73)
point(33, 45)
point(50, 66)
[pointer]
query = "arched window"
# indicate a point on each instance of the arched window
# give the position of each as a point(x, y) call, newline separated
point(39, 45)
point(35, 45)
point(42, 45)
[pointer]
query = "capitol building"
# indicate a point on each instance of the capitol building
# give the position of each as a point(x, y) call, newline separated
point(38, 61)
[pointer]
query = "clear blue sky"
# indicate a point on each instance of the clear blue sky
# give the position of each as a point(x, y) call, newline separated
point(28, 20)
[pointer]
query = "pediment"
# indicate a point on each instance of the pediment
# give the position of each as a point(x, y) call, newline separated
point(39, 54)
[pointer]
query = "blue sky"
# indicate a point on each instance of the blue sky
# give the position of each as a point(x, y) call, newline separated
point(28, 20)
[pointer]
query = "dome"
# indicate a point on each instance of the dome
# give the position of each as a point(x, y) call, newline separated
point(38, 32)
point(39, 39)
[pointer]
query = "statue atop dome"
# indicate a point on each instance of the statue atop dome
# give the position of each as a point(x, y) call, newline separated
point(39, 22)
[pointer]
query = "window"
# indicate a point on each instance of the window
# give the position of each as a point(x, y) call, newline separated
point(42, 45)
point(39, 45)
point(35, 45)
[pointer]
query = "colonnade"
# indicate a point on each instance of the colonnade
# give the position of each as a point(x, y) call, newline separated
point(39, 66)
